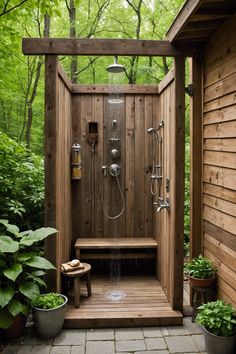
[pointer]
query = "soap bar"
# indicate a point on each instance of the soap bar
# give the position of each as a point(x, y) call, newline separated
point(74, 263)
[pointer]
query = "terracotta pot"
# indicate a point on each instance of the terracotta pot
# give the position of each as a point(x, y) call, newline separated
point(202, 283)
point(16, 329)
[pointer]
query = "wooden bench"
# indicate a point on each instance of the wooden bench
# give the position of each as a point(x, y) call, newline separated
point(144, 247)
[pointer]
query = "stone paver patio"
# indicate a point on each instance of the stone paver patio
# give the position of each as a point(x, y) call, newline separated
point(149, 340)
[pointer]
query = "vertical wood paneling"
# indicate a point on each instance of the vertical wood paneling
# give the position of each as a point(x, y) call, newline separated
point(57, 168)
point(219, 157)
point(98, 177)
point(139, 212)
point(96, 192)
point(130, 148)
point(171, 223)
point(148, 148)
point(86, 181)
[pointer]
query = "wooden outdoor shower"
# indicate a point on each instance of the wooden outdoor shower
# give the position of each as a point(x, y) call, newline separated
point(76, 208)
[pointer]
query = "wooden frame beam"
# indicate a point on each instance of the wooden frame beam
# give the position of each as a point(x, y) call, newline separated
point(104, 47)
point(188, 9)
point(196, 110)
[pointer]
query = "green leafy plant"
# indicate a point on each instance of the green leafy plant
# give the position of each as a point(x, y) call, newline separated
point(21, 184)
point(48, 301)
point(21, 270)
point(218, 318)
point(200, 267)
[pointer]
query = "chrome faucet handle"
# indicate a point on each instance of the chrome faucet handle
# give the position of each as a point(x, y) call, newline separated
point(164, 205)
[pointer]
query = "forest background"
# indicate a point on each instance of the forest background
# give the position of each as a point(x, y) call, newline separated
point(22, 82)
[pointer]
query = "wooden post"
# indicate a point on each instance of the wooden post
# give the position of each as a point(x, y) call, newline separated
point(196, 158)
point(51, 74)
point(178, 220)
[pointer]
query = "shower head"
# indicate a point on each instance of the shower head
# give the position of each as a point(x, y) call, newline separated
point(115, 68)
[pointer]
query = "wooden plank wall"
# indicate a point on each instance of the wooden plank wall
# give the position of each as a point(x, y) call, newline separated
point(134, 119)
point(57, 166)
point(169, 225)
point(219, 158)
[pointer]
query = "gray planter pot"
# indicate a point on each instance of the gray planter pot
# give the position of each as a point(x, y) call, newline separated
point(219, 345)
point(49, 322)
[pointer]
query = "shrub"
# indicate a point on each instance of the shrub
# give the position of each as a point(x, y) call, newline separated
point(48, 301)
point(21, 184)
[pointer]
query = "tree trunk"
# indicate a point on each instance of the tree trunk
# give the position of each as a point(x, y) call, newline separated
point(73, 64)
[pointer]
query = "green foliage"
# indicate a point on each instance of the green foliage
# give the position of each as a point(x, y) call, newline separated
point(200, 267)
point(20, 270)
point(218, 318)
point(48, 301)
point(21, 184)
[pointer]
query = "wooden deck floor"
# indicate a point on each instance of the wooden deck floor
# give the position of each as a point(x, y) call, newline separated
point(133, 301)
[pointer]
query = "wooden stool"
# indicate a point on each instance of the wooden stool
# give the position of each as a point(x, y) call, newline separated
point(201, 296)
point(76, 275)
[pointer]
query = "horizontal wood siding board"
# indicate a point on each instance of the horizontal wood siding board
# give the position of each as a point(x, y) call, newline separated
point(215, 144)
point(220, 115)
point(220, 88)
point(220, 102)
point(224, 253)
point(69, 46)
point(220, 72)
point(222, 130)
point(220, 219)
point(222, 45)
point(223, 272)
point(125, 89)
point(220, 192)
point(220, 204)
point(219, 234)
point(223, 177)
point(218, 158)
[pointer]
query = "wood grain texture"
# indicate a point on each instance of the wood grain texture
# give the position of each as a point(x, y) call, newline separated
point(144, 304)
point(69, 46)
point(58, 212)
point(196, 106)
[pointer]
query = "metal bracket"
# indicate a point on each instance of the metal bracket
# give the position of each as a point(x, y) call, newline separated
point(189, 90)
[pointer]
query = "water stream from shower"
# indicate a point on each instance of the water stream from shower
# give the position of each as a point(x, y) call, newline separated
point(112, 171)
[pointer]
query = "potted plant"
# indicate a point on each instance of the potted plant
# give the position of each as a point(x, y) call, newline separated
point(201, 272)
point(219, 327)
point(48, 314)
point(21, 271)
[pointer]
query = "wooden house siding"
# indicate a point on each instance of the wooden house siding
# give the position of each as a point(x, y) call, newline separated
point(219, 157)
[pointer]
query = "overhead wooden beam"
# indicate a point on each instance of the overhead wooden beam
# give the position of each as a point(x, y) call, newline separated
point(189, 8)
point(75, 46)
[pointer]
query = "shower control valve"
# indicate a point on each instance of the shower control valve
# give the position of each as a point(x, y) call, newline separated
point(114, 170)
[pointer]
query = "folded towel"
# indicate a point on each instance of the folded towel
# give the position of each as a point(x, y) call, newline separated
point(66, 267)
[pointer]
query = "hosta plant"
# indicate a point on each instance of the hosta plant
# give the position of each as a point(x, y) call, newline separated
point(21, 270)
point(200, 268)
point(218, 318)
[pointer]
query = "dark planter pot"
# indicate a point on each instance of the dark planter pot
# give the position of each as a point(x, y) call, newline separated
point(219, 345)
point(202, 283)
point(16, 330)
point(49, 322)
